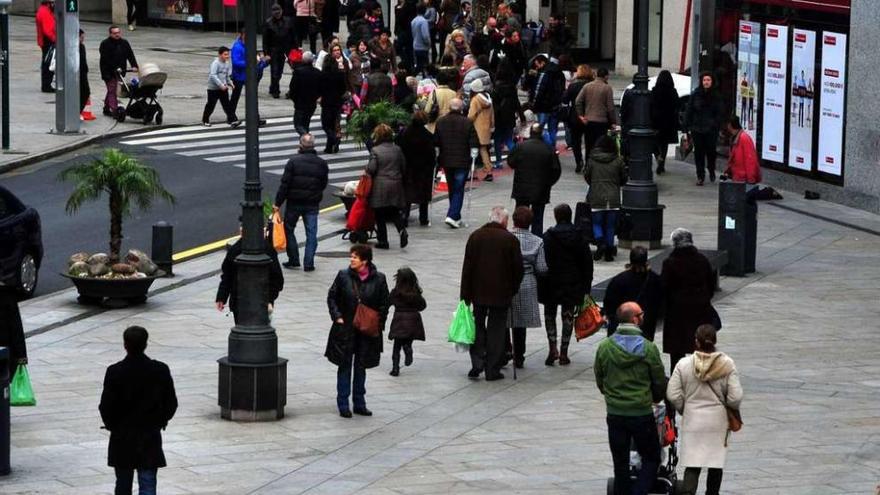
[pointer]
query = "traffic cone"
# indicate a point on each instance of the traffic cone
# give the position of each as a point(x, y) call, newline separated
point(87, 111)
point(442, 186)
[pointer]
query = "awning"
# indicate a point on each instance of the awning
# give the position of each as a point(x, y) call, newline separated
point(836, 6)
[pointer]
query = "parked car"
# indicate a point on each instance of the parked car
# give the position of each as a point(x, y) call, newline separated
point(21, 244)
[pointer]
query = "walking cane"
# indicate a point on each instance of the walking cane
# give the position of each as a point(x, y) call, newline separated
point(513, 351)
point(471, 182)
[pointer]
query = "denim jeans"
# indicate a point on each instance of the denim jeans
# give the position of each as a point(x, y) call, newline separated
point(550, 121)
point(455, 177)
point(309, 215)
point(345, 381)
point(502, 138)
point(604, 222)
point(641, 431)
point(146, 481)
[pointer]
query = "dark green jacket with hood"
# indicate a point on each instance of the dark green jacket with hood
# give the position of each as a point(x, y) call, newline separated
point(605, 173)
point(629, 372)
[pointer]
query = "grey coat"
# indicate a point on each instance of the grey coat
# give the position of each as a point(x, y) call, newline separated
point(386, 166)
point(524, 310)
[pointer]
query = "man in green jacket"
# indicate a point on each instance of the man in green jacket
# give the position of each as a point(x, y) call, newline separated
point(629, 373)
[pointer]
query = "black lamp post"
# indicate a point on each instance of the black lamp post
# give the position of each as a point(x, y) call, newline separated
point(640, 191)
point(253, 379)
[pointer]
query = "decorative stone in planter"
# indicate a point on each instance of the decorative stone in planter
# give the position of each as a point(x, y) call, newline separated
point(114, 285)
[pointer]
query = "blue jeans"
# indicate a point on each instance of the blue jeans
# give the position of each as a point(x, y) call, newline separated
point(641, 431)
point(604, 222)
point(309, 215)
point(455, 178)
point(146, 481)
point(345, 381)
point(502, 137)
point(550, 121)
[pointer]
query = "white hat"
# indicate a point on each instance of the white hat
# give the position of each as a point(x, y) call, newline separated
point(477, 86)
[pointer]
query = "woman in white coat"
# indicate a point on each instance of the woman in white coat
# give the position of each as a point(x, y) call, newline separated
point(699, 388)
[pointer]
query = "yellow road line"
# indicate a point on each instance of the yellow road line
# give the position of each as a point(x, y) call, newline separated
point(213, 246)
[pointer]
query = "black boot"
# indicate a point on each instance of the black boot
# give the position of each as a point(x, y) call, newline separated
point(563, 355)
point(609, 253)
point(408, 355)
point(600, 250)
point(395, 360)
point(579, 166)
point(661, 167)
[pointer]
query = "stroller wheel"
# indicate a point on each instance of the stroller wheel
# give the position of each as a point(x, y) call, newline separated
point(120, 115)
point(159, 117)
point(147, 119)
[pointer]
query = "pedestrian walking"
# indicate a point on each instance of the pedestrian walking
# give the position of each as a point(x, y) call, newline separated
point(490, 276)
point(11, 328)
point(46, 38)
point(629, 373)
point(277, 41)
point(605, 173)
point(559, 35)
point(455, 137)
point(583, 76)
point(482, 115)
point(701, 389)
point(85, 91)
point(238, 73)
point(387, 196)
point(568, 279)
point(420, 30)
point(115, 57)
point(406, 325)
point(334, 86)
point(305, 89)
point(352, 351)
point(595, 108)
point(536, 169)
point(219, 84)
point(227, 291)
point(306, 24)
point(302, 188)
point(506, 104)
point(702, 120)
point(136, 11)
point(137, 403)
point(547, 97)
point(330, 19)
point(417, 144)
point(688, 284)
point(510, 51)
point(524, 310)
point(431, 16)
point(637, 283)
point(665, 110)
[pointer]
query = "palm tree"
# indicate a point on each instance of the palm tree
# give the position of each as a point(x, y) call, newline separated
point(124, 179)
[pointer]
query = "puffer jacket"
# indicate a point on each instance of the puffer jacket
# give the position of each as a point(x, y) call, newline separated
point(605, 173)
point(304, 180)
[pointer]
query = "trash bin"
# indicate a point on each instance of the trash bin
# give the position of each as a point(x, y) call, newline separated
point(737, 228)
point(4, 411)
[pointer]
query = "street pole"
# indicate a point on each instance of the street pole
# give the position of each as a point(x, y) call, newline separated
point(67, 67)
point(4, 72)
point(696, 42)
point(253, 379)
point(640, 191)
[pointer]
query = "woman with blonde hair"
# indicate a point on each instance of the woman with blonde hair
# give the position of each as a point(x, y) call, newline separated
point(457, 46)
point(387, 196)
point(582, 76)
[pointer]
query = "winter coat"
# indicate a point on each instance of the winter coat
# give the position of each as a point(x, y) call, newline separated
point(596, 102)
point(505, 103)
point(704, 112)
point(407, 320)
point(743, 165)
point(115, 54)
point(549, 89)
point(688, 285)
point(605, 173)
point(455, 135)
point(334, 85)
point(45, 21)
point(536, 169)
point(571, 93)
point(644, 288)
point(387, 165)
point(524, 309)
point(378, 88)
point(304, 180)
point(471, 76)
point(11, 328)
point(137, 403)
point(305, 86)
point(277, 37)
point(344, 340)
point(385, 54)
point(481, 114)
point(493, 267)
point(694, 390)
point(569, 266)
point(227, 291)
point(665, 107)
point(629, 372)
point(513, 54)
point(417, 144)
point(441, 97)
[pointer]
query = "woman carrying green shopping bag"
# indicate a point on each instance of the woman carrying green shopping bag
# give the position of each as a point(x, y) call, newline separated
point(12, 337)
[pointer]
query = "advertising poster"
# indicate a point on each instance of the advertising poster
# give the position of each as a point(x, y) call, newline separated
point(803, 96)
point(775, 90)
point(177, 10)
point(831, 101)
point(748, 60)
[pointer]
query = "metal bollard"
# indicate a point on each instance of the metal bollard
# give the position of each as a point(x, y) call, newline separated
point(4, 411)
point(163, 246)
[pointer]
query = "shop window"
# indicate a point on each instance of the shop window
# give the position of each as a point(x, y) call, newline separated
point(655, 32)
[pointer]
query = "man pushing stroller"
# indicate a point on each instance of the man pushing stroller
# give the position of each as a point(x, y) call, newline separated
point(116, 57)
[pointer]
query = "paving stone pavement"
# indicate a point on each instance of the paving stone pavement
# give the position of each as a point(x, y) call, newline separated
point(802, 331)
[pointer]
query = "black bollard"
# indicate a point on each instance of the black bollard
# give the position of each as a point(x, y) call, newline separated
point(737, 228)
point(163, 246)
point(4, 411)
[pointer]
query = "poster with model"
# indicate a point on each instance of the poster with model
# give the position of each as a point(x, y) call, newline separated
point(748, 58)
point(831, 103)
point(775, 91)
point(177, 10)
point(803, 95)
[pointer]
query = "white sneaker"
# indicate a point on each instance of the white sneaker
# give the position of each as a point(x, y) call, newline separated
point(131, 27)
point(453, 223)
point(206, 124)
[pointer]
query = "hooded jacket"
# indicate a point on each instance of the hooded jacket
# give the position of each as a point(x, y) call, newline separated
point(605, 174)
point(629, 372)
point(549, 89)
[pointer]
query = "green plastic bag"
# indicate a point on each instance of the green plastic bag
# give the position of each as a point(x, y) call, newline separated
point(20, 391)
point(462, 330)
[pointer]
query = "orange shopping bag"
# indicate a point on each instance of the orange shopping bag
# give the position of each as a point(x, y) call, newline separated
point(279, 238)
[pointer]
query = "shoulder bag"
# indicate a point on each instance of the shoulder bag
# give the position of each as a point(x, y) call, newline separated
point(366, 319)
point(734, 418)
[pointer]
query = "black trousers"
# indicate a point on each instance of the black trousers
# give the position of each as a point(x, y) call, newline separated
point(538, 218)
point(235, 96)
point(276, 70)
point(692, 479)
point(135, 11)
point(518, 349)
point(383, 216)
point(578, 133)
point(406, 345)
point(302, 118)
point(302, 31)
point(423, 213)
point(592, 132)
point(213, 96)
point(641, 431)
point(673, 360)
point(329, 120)
point(46, 75)
point(488, 349)
point(85, 92)
point(704, 152)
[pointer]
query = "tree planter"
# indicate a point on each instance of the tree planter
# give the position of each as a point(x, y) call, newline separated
point(113, 293)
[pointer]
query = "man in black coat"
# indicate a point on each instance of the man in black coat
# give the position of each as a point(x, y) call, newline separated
point(305, 89)
point(302, 187)
point(536, 168)
point(277, 39)
point(137, 402)
point(455, 136)
point(116, 55)
point(490, 277)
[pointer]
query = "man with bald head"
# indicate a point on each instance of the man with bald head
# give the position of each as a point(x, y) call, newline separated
point(535, 169)
point(629, 373)
point(455, 137)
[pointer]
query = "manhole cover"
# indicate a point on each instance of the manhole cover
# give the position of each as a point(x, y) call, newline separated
point(333, 254)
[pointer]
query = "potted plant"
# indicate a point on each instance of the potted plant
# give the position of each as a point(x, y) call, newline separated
point(362, 122)
point(110, 278)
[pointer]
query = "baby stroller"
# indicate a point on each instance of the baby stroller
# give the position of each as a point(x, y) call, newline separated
point(667, 481)
point(141, 94)
point(360, 218)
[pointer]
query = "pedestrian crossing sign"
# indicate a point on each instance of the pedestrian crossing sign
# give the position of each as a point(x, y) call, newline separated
point(71, 6)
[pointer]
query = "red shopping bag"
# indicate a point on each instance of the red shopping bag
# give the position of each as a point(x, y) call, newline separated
point(361, 217)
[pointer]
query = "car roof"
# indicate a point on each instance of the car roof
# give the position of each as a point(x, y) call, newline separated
point(12, 202)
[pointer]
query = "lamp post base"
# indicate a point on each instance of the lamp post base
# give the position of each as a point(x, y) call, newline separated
point(252, 392)
point(647, 227)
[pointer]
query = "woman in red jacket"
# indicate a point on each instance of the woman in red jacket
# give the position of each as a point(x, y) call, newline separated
point(46, 40)
point(742, 166)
